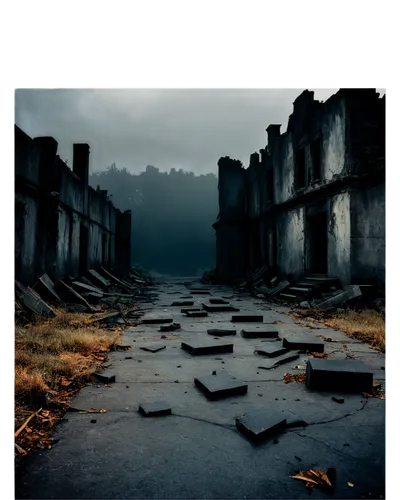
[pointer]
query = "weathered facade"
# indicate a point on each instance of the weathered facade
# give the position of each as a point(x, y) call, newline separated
point(63, 227)
point(312, 201)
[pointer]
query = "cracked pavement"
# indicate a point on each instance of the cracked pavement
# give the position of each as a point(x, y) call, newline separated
point(197, 452)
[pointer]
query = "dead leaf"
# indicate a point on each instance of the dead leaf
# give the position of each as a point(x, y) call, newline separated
point(318, 354)
point(294, 377)
point(317, 478)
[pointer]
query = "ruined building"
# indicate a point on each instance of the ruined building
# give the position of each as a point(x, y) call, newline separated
point(312, 201)
point(63, 227)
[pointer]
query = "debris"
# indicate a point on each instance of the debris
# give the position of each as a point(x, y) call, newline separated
point(220, 332)
point(220, 386)
point(32, 301)
point(105, 376)
point(23, 426)
point(337, 299)
point(106, 318)
point(284, 359)
point(323, 480)
point(183, 303)
point(339, 375)
point(204, 347)
point(261, 424)
point(153, 347)
point(98, 279)
point(265, 333)
point(279, 288)
point(46, 287)
point(91, 410)
point(84, 287)
point(155, 409)
point(250, 318)
point(170, 328)
point(303, 343)
point(338, 400)
point(271, 351)
point(294, 377)
point(216, 300)
point(69, 292)
point(319, 355)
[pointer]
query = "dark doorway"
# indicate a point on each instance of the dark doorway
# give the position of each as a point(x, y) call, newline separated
point(318, 243)
point(83, 249)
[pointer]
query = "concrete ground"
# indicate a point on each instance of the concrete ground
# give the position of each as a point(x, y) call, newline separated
point(197, 452)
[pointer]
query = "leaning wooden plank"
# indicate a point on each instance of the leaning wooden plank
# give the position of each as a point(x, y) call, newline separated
point(114, 279)
point(32, 301)
point(73, 294)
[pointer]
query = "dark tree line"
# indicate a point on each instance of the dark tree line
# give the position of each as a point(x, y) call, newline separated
point(172, 216)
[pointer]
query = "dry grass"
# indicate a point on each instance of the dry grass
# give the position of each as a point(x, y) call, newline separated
point(367, 325)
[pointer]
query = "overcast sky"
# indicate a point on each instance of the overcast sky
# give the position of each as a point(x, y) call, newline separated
point(188, 129)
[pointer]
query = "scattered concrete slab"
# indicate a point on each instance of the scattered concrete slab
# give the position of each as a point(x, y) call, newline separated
point(261, 424)
point(151, 319)
point(347, 375)
point(303, 342)
point(153, 347)
point(219, 307)
point(196, 314)
point(200, 292)
point(32, 301)
point(155, 409)
point(284, 359)
point(106, 376)
point(186, 297)
point(337, 299)
point(293, 421)
point(45, 286)
point(271, 350)
point(190, 309)
point(98, 279)
point(216, 300)
point(182, 303)
point(221, 385)
point(264, 333)
point(247, 318)
point(220, 332)
point(170, 327)
point(206, 347)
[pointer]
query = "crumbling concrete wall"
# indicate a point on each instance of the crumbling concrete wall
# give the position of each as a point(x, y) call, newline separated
point(284, 175)
point(290, 239)
point(368, 235)
point(333, 132)
point(52, 206)
point(339, 231)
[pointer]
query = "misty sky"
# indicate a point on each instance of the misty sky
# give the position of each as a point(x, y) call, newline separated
point(188, 129)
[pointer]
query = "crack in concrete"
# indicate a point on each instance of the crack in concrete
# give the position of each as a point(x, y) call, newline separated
point(342, 417)
point(228, 427)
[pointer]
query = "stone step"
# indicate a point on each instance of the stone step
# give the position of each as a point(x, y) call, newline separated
point(298, 291)
point(345, 375)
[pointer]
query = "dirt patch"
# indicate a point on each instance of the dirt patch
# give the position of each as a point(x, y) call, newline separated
point(367, 325)
point(53, 360)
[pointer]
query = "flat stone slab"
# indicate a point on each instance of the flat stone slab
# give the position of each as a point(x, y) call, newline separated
point(154, 320)
point(347, 375)
point(302, 342)
point(153, 348)
point(197, 314)
point(220, 386)
point(170, 327)
point(183, 303)
point(281, 361)
point(219, 307)
point(200, 292)
point(271, 350)
point(206, 347)
point(264, 333)
point(217, 300)
point(220, 332)
point(247, 318)
point(155, 409)
point(261, 424)
point(106, 376)
point(190, 309)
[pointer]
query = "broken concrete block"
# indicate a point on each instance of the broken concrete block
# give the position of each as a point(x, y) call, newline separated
point(345, 375)
point(151, 319)
point(261, 424)
point(295, 421)
point(156, 409)
point(262, 333)
point(183, 303)
point(216, 300)
point(206, 347)
point(154, 347)
point(170, 327)
point(107, 377)
point(337, 299)
point(220, 332)
point(32, 301)
point(248, 318)
point(338, 400)
point(219, 307)
point(284, 359)
point(190, 309)
point(303, 342)
point(220, 386)
point(46, 287)
point(98, 279)
point(196, 314)
point(271, 350)
point(279, 288)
